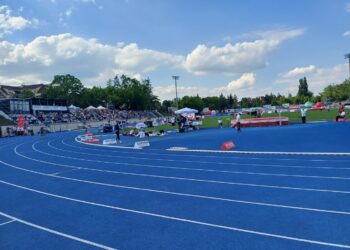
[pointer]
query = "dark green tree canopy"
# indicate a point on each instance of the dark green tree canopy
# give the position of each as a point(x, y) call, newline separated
point(26, 93)
point(65, 87)
point(304, 88)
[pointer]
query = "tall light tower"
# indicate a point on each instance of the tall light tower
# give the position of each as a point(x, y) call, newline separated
point(347, 56)
point(176, 100)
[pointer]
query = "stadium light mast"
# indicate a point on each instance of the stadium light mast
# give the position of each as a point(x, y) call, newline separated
point(347, 56)
point(176, 100)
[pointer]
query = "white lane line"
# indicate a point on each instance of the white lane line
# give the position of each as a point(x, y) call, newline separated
point(279, 236)
point(64, 172)
point(87, 242)
point(181, 194)
point(195, 162)
point(214, 156)
point(189, 179)
point(192, 169)
point(7, 222)
point(259, 152)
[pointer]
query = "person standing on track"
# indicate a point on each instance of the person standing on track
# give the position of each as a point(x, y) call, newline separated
point(117, 131)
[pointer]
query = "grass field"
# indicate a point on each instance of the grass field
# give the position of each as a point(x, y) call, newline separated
point(294, 117)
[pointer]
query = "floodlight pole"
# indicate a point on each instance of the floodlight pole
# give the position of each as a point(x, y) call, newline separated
point(347, 56)
point(176, 100)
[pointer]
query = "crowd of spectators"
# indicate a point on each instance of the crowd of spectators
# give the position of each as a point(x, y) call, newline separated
point(94, 115)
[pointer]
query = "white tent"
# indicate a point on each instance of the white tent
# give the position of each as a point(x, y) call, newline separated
point(186, 111)
point(140, 125)
point(73, 107)
point(90, 108)
point(101, 108)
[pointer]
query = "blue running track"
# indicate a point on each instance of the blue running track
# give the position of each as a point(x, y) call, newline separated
point(57, 193)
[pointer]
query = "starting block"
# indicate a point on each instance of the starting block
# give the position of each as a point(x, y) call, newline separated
point(228, 145)
point(141, 144)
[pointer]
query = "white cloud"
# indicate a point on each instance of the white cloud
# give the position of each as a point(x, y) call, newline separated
point(346, 33)
point(237, 58)
point(238, 86)
point(89, 60)
point(131, 58)
point(246, 80)
point(299, 71)
point(10, 23)
point(69, 12)
point(317, 78)
point(347, 7)
point(88, 1)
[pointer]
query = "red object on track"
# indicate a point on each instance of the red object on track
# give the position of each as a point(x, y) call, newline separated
point(93, 140)
point(228, 145)
point(89, 134)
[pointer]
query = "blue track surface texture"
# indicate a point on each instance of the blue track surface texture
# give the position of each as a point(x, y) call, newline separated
point(56, 193)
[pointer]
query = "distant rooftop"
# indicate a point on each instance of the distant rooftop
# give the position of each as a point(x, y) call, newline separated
point(7, 91)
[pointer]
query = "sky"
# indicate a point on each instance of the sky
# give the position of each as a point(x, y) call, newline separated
point(248, 48)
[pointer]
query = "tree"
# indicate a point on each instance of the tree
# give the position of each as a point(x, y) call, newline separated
point(165, 106)
point(245, 102)
point(194, 102)
point(26, 93)
point(211, 102)
point(339, 92)
point(222, 103)
point(230, 101)
point(304, 88)
point(65, 87)
point(129, 93)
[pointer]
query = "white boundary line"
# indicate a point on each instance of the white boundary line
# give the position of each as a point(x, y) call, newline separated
point(188, 179)
point(258, 152)
point(87, 242)
point(189, 161)
point(180, 194)
point(242, 230)
point(7, 222)
point(211, 156)
point(187, 169)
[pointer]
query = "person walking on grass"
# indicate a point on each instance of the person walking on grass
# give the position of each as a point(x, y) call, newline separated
point(117, 131)
point(303, 115)
point(238, 122)
point(220, 122)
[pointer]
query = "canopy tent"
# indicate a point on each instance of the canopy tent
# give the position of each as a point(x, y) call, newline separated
point(185, 111)
point(101, 108)
point(73, 107)
point(307, 105)
point(140, 125)
point(90, 108)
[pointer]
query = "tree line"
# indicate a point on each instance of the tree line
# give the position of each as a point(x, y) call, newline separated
point(331, 93)
point(120, 92)
point(123, 92)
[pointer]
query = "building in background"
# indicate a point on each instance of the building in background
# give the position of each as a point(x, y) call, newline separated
point(7, 91)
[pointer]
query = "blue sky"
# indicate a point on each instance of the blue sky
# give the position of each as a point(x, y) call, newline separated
point(247, 48)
